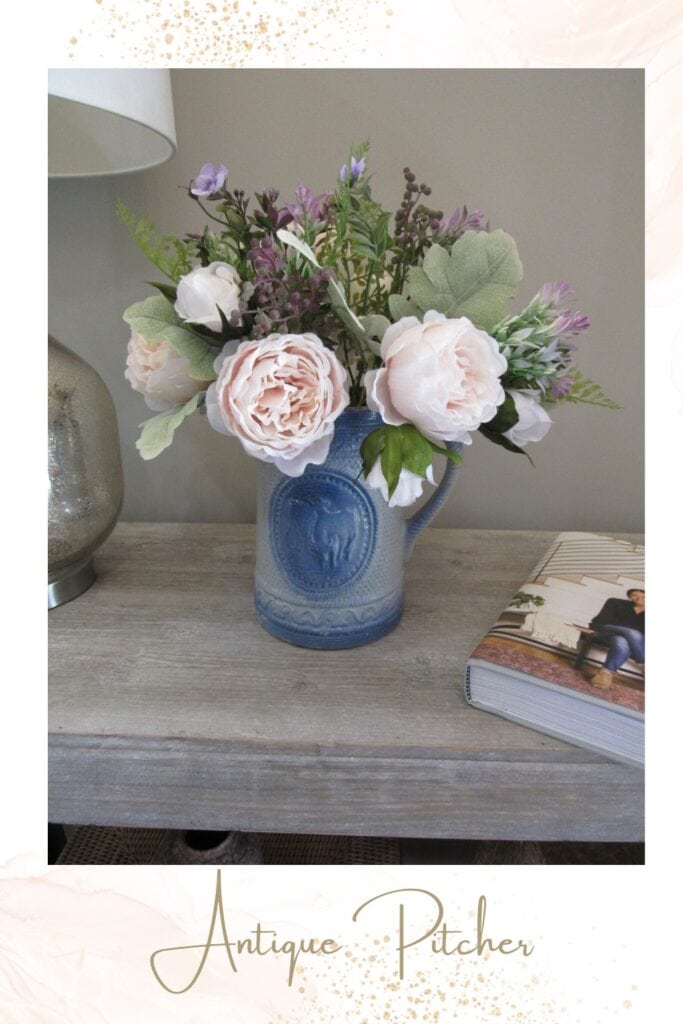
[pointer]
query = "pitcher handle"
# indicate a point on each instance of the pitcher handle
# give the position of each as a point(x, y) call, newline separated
point(416, 524)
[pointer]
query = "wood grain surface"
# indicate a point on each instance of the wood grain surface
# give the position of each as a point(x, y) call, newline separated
point(170, 706)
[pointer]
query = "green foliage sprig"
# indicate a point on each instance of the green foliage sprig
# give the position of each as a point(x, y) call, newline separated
point(401, 447)
point(588, 392)
point(167, 253)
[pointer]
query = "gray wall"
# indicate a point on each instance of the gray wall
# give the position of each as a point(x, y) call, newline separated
point(553, 157)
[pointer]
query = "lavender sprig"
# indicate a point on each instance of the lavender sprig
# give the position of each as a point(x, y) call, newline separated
point(307, 209)
point(450, 229)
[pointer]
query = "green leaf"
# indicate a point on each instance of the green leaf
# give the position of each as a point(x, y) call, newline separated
point(505, 417)
point(371, 448)
point(169, 291)
point(450, 453)
point(392, 458)
point(349, 319)
point(228, 331)
point(342, 309)
point(296, 243)
point(168, 253)
point(375, 326)
point(370, 232)
point(475, 279)
point(588, 392)
point(416, 450)
point(504, 442)
point(400, 307)
point(158, 432)
point(156, 320)
point(399, 447)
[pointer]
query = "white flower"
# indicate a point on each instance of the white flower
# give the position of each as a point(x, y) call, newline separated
point(280, 396)
point(203, 290)
point(157, 371)
point(533, 423)
point(441, 375)
point(408, 488)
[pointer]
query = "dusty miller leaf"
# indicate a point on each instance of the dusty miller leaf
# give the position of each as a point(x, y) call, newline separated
point(296, 243)
point(475, 279)
point(157, 433)
point(375, 327)
point(400, 307)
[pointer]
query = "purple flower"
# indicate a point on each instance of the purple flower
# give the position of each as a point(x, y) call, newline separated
point(308, 207)
point(449, 224)
point(354, 170)
point(209, 180)
point(553, 293)
point(461, 221)
point(561, 387)
point(570, 323)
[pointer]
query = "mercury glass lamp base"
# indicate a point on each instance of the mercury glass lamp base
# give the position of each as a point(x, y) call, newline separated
point(71, 583)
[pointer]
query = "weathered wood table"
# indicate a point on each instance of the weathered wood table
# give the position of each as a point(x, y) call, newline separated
point(170, 707)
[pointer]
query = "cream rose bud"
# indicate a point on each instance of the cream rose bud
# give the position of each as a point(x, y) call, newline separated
point(206, 289)
point(408, 488)
point(280, 396)
point(157, 371)
point(441, 375)
point(533, 423)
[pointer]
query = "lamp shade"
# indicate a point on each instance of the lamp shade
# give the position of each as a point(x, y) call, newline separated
point(110, 121)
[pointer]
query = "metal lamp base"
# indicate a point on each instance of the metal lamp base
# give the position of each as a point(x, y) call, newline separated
point(71, 583)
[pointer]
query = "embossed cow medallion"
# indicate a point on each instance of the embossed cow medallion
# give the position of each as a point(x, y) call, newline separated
point(323, 529)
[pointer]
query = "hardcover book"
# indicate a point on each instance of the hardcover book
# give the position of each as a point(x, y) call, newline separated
point(567, 655)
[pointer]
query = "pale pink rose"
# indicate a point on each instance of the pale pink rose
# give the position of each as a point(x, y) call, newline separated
point(533, 423)
point(280, 396)
point(157, 371)
point(408, 488)
point(204, 290)
point(441, 375)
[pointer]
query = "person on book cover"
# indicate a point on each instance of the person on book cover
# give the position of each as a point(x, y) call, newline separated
point(621, 623)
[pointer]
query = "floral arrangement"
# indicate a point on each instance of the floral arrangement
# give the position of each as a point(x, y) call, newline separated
point(278, 316)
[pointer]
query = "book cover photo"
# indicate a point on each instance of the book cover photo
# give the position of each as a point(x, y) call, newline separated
point(567, 655)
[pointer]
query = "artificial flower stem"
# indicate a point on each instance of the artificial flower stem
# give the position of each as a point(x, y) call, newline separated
point(208, 213)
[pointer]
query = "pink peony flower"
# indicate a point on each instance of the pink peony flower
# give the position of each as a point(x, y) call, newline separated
point(157, 371)
point(441, 375)
point(280, 396)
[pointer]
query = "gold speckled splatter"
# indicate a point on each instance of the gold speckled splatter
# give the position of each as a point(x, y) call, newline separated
point(359, 989)
point(229, 33)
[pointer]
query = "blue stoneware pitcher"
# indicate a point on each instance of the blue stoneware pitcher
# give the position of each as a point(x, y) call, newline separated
point(330, 552)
